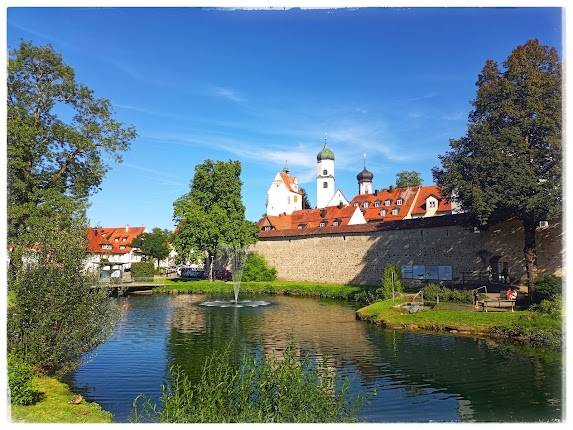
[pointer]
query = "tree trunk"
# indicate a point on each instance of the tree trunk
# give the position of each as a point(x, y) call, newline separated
point(529, 250)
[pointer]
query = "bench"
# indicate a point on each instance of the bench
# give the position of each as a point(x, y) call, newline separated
point(484, 303)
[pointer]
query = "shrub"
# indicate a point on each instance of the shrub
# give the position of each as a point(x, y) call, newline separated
point(143, 269)
point(56, 316)
point(547, 287)
point(20, 374)
point(552, 308)
point(257, 269)
point(432, 291)
point(262, 388)
point(386, 288)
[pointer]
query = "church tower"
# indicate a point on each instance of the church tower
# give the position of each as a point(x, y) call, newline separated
point(365, 180)
point(324, 176)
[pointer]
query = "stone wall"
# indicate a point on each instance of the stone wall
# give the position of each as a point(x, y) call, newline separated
point(360, 258)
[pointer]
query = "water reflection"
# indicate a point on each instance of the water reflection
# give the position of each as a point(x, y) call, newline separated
point(416, 377)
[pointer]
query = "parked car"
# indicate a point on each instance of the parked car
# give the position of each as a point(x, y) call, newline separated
point(190, 272)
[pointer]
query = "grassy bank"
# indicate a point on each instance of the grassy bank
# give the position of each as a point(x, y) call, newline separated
point(534, 327)
point(54, 406)
point(294, 288)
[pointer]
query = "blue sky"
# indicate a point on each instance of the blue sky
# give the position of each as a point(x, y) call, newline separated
point(268, 86)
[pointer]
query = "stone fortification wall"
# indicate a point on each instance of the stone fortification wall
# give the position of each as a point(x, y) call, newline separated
point(360, 258)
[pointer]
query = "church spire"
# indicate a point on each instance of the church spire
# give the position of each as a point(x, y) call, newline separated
point(285, 168)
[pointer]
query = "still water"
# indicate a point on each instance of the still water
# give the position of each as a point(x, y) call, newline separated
point(408, 377)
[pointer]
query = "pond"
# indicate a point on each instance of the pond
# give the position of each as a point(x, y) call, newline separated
point(408, 376)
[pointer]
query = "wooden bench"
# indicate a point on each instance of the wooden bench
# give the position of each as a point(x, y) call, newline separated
point(499, 301)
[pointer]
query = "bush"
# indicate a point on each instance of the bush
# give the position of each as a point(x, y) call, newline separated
point(57, 315)
point(261, 388)
point(257, 269)
point(20, 374)
point(143, 269)
point(385, 290)
point(433, 291)
point(547, 287)
point(552, 308)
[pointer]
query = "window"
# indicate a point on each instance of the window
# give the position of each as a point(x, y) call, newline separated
point(122, 247)
point(387, 202)
point(288, 200)
point(395, 211)
point(301, 226)
point(325, 172)
point(295, 199)
point(377, 204)
point(116, 239)
point(105, 246)
point(366, 204)
point(323, 223)
point(383, 212)
point(123, 239)
point(432, 203)
point(336, 223)
point(355, 205)
point(325, 185)
point(267, 228)
point(399, 202)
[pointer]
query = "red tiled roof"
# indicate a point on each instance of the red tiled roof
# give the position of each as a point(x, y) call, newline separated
point(310, 218)
point(115, 236)
point(372, 213)
point(429, 222)
point(427, 191)
point(289, 182)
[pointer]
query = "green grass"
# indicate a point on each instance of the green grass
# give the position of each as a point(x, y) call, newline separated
point(54, 406)
point(459, 319)
point(295, 288)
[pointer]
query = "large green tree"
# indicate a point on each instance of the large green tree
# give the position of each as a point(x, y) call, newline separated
point(59, 134)
point(305, 201)
point(212, 215)
point(154, 244)
point(508, 165)
point(408, 178)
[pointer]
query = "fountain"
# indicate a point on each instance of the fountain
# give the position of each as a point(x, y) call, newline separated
point(237, 257)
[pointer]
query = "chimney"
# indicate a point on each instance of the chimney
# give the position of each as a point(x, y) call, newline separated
point(126, 228)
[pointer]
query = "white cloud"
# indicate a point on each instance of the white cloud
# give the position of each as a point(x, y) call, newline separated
point(228, 93)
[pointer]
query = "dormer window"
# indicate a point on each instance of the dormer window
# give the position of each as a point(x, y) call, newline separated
point(116, 239)
point(122, 247)
point(395, 211)
point(301, 226)
point(355, 205)
point(383, 212)
point(366, 204)
point(432, 204)
point(267, 228)
point(322, 223)
point(377, 204)
point(336, 223)
point(106, 246)
point(399, 202)
point(387, 202)
point(124, 239)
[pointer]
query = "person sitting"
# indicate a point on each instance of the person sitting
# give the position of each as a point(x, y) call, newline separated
point(513, 295)
point(509, 294)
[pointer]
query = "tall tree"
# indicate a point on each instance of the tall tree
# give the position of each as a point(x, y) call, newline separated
point(408, 178)
point(154, 244)
point(509, 162)
point(58, 133)
point(305, 200)
point(212, 214)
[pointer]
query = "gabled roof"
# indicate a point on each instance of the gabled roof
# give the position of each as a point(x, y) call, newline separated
point(289, 181)
point(372, 213)
point(310, 218)
point(98, 236)
point(425, 192)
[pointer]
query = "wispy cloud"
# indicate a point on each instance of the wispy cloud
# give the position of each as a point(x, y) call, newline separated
point(454, 116)
point(156, 175)
point(228, 93)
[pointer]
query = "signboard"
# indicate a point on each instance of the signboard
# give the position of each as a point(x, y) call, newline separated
point(418, 272)
point(445, 273)
point(431, 272)
point(406, 272)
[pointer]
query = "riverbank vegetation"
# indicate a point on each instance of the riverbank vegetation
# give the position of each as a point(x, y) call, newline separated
point(537, 328)
point(263, 388)
point(53, 406)
point(294, 288)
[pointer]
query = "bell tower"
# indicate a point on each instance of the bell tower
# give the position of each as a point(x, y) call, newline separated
point(324, 176)
point(365, 180)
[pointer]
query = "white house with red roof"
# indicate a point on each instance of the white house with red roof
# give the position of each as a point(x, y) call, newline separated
point(284, 195)
point(110, 249)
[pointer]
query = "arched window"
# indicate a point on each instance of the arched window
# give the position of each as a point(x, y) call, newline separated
point(325, 185)
point(324, 172)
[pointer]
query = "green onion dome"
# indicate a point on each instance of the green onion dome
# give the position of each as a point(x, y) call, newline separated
point(325, 154)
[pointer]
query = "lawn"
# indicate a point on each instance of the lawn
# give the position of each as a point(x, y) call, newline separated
point(295, 288)
point(54, 406)
point(461, 319)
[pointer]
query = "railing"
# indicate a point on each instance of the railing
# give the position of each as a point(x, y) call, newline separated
point(419, 293)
